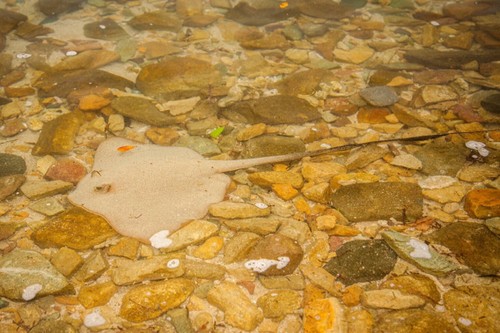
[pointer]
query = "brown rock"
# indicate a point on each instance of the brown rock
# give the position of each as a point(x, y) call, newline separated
point(106, 29)
point(156, 20)
point(275, 248)
point(126, 247)
point(19, 91)
point(483, 203)
point(373, 115)
point(96, 294)
point(66, 261)
point(279, 303)
point(76, 229)
point(152, 300)
point(9, 20)
point(10, 184)
point(87, 60)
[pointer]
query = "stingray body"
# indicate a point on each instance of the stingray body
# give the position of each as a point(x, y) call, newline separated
point(141, 189)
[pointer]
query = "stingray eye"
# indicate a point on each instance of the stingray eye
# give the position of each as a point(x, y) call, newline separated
point(104, 188)
point(123, 149)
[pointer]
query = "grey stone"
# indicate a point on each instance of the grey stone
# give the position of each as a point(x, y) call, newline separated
point(418, 253)
point(362, 261)
point(39, 189)
point(375, 201)
point(11, 164)
point(473, 244)
point(106, 29)
point(21, 269)
point(203, 146)
point(379, 95)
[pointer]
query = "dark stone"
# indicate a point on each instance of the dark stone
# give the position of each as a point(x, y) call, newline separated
point(268, 145)
point(450, 59)
point(378, 201)
point(141, 109)
point(379, 95)
point(473, 244)
point(245, 14)
point(326, 9)
point(9, 20)
point(29, 31)
point(491, 103)
point(441, 159)
point(106, 29)
point(272, 110)
point(362, 261)
point(304, 83)
point(2, 42)
point(55, 7)
point(11, 165)
point(62, 83)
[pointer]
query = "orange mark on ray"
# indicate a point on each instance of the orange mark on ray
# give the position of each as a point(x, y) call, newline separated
point(123, 149)
point(283, 5)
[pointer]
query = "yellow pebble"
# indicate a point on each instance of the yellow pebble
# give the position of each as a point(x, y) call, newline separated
point(209, 248)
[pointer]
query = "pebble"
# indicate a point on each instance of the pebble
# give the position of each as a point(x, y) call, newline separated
point(22, 269)
point(258, 225)
point(91, 296)
point(238, 247)
point(194, 232)
point(391, 299)
point(267, 145)
point(67, 261)
point(66, 169)
point(139, 109)
point(415, 284)
point(75, 228)
point(48, 206)
point(283, 254)
point(126, 247)
point(156, 20)
point(407, 320)
point(201, 145)
point(357, 55)
point(10, 184)
point(279, 303)
point(407, 161)
point(362, 261)
point(269, 178)
point(379, 95)
point(452, 193)
point(93, 267)
point(236, 210)
point(318, 172)
point(441, 159)
point(93, 103)
point(150, 301)
point(238, 310)
point(209, 248)
point(126, 271)
point(324, 315)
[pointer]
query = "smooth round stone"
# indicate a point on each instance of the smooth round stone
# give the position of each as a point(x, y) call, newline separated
point(379, 96)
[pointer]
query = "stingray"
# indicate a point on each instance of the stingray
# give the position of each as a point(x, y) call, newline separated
point(145, 189)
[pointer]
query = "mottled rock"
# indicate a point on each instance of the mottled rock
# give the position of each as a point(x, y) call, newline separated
point(176, 78)
point(141, 109)
point(431, 94)
point(449, 59)
point(473, 244)
point(66, 169)
point(66, 261)
point(275, 255)
point(48, 206)
point(245, 14)
point(413, 320)
point(318, 172)
point(357, 55)
point(324, 315)
point(407, 161)
point(37, 189)
point(268, 178)
point(201, 145)
point(391, 299)
point(194, 269)
point(483, 203)
point(57, 136)
point(268, 145)
point(364, 156)
point(76, 229)
point(126, 271)
point(237, 247)
point(478, 173)
point(11, 164)
point(126, 247)
point(238, 310)
point(419, 253)
point(467, 9)
point(452, 193)
point(150, 301)
point(87, 60)
point(162, 136)
point(415, 284)
point(106, 29)
point(237, 210)
point(194, 232)
point(209, 248)
point(272, 110)
point(179, 318)
point(53, 325)
point(374, 201)
point(62, 83)
point(303, 83)
point(362, 261)
point(441, 158)
point(279, 303)
point(379, 95)
point(91, 296)
point(293, 281)
point(10, 184)
point(25, 275)
point(156, 20)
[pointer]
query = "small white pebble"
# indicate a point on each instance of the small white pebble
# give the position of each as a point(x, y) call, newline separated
point(102, 26)
point(71, 53)
point(174, 263)
point(464, 321)
point(325, 145)
point(262, 265)
point(475, 145)
point(94, 319)
point(435, 23)
point(420, 249)
point(31, 291)
point(23, 55)
point(440, 308)
point(160, 240)
point(261, 205)
point(483, 152)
